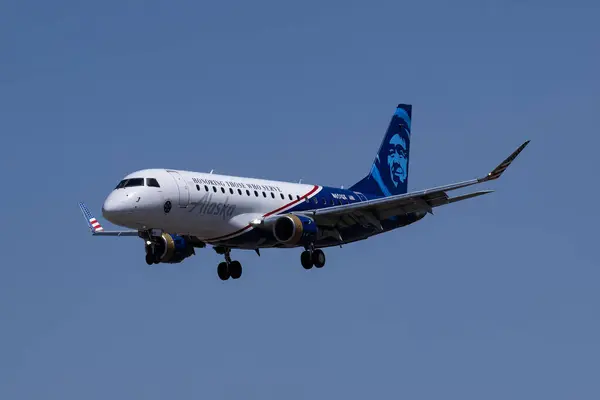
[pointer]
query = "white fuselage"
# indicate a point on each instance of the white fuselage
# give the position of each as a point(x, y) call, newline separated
point(208, 206)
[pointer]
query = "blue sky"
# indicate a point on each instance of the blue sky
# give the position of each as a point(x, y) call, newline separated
point(494, 298)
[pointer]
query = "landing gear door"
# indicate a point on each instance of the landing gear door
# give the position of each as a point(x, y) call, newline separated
point(182, 186)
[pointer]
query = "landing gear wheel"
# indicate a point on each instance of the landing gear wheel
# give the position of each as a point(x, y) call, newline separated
point(318, 258)
point(223, 271)
point(149, 258)
point(306, 259)
point(235, 269)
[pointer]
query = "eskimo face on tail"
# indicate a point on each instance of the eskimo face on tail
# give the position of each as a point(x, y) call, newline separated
point(391, 162)
point(389, 172)
point(397, 158)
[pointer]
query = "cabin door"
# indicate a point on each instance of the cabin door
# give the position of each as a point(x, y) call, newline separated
point(182, 186)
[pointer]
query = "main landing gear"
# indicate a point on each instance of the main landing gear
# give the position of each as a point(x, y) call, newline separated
point(228, 268)
point(312, 256)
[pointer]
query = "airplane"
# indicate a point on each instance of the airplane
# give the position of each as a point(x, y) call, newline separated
point(177, 211)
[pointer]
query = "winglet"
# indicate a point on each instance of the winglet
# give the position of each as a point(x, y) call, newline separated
point(89, 218)
point(499, 170)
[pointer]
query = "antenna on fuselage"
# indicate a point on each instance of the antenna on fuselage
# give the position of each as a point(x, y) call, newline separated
point(211, 171)
point(300, 181)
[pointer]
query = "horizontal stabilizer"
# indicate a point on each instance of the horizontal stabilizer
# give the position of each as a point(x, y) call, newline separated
point(468, 196)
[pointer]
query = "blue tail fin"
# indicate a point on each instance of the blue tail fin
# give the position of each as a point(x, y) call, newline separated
point(389, 172)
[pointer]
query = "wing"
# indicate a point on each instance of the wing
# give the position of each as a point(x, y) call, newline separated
point(97, 229)
point(424, 200)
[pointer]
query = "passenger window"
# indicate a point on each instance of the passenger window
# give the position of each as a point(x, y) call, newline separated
point(152, 182)
point(324, 201)
point(256, 193)
point(297, 197)
point(272, 195)
point(215, 189)
point(240, 192)
point(315, 200)
point(206, 188)
point(282, 196)
point(198, 187)
point(264, 194)
point(248, 192)
point(290, 196)
point(222, 189)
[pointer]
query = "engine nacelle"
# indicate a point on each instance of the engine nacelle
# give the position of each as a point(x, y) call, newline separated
point(172, 249)
point(292, 229)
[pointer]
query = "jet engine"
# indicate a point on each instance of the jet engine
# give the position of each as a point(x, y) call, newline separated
point(292, 229)
point(170, 248)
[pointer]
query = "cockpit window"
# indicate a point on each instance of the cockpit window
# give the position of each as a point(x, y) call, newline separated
point(152, 182)
point(130, 183)
point(134, 182)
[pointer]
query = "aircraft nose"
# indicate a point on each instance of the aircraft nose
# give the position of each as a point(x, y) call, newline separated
point(113, 208)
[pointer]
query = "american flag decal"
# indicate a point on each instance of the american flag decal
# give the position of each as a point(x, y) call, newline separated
point(96, 225)
point(499, 170)
point(93, 222)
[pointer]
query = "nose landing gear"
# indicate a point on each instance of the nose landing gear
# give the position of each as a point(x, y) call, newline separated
point(151, 257)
